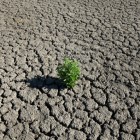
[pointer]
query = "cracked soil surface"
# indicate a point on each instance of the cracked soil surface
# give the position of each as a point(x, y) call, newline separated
point(103, 35)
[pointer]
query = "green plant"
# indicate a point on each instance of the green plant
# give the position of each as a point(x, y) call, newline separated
point(69, 72)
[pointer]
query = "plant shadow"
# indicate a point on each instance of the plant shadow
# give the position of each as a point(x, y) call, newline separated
point(48, 82)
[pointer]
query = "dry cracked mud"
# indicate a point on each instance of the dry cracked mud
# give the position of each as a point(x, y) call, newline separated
point(103, 35)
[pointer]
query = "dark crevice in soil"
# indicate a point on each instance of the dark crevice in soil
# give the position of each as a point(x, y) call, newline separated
point(51, 114)
point(18, 95)
point(102, 131)
point(18, 118)
point(40, 61)
point(49, 134)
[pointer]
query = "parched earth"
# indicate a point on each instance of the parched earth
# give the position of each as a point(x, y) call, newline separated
point(103, 36)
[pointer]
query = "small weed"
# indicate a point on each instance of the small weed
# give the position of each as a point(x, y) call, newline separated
point(69, 72)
